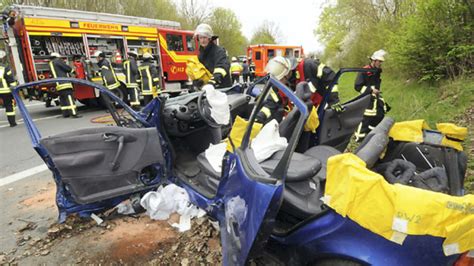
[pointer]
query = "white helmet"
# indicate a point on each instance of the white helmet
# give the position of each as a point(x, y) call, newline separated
point(147, 56)
point(56, 55)
point(98, 53)
point(2, 54)
point(378, 55)
point(133, 53)
point(280, 66)
point(204, 30)
point(234, 59)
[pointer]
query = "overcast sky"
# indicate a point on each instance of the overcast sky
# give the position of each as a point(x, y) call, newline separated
point(296, 19)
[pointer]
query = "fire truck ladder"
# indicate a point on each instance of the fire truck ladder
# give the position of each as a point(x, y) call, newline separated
point(58, 13)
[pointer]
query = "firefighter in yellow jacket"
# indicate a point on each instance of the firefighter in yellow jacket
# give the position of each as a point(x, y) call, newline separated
point(7, 81)
point(149, 77)
point(235, 70)
point(59, 69)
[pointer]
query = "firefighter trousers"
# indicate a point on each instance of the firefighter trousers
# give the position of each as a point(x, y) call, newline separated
point(133, 96)
point(10, 108)
point(372, 117)
point(235, 78)
point(68, 106)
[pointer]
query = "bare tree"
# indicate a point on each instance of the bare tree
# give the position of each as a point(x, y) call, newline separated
point(195, 12)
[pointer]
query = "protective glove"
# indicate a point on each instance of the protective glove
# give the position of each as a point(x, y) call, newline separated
point(338, 108)
point(216, 79)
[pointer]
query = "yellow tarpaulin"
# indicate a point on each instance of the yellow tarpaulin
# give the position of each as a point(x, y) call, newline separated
point(412, 131)
point(394, 211)
point(238, 131)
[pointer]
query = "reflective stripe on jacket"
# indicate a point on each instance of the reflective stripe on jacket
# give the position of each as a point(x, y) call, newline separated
point(60, 69)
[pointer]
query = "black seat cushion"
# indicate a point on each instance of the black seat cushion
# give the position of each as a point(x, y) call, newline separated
point(301, 167)
point(322, 154)
point(303, 199)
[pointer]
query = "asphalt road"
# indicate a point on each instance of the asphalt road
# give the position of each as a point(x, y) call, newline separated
point(16, 152)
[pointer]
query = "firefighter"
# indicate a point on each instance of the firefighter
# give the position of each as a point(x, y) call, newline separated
point(252, 70)
point(131, 75)
point(149, 78)
point(245, 71)
point(235, 70)
point(60, 69)
point(212, 56)
point(7, 81)
point(318, 76)
point(369, 83)
point(107, 72)
point(275, 104)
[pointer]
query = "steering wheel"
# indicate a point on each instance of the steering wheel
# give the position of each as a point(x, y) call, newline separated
point(206, 115)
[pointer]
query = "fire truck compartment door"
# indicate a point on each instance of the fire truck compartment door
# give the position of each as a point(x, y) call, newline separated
point(104, 162)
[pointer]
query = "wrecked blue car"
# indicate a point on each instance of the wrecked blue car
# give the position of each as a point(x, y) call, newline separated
point(270, 209)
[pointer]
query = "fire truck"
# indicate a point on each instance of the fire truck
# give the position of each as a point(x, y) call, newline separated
point(33, 33)
point(260, 54)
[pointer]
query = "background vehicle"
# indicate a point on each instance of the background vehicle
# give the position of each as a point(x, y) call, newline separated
point(262, 53)
point(36, 32)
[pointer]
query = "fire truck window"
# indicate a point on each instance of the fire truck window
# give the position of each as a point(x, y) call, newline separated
point(258, 55)
point(175, 42)
point(271, 53)
point(190, 43)
point(279, 52)
point(288, 52)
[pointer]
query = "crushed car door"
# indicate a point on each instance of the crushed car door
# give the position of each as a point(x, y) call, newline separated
point(251, 198)
point(101, 163)
point(337, 127)
point(105, 162)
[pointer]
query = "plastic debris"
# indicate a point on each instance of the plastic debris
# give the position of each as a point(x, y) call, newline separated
point(160, 204)
point(125, 208)
point(97, 219)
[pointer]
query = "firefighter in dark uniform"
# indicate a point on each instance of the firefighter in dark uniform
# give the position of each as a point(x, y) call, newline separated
point(252, 70)
point(7, 81)
point(318, 76)
point(213, 57)
point(275, 103)
point(369, 83)
point(149, 77)
point(59, 69)
point(107, 72)
point(131, 74)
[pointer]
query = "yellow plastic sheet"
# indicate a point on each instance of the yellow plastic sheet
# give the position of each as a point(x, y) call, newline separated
point(394, 211)
point(313, 121)
point(453, 135)
point(238, 131)
point(452, 131)
point(412, 131)
point(197, 71)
